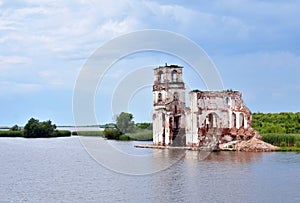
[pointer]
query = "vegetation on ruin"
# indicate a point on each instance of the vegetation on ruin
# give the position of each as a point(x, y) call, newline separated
point(196, 90)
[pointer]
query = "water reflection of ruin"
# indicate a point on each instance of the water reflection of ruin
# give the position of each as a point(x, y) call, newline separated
point(213, 116)
point(234, 157)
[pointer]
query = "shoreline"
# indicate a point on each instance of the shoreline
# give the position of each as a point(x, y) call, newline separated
point(177, 147)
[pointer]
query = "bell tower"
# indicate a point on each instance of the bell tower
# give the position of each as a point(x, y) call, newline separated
point(168, 104)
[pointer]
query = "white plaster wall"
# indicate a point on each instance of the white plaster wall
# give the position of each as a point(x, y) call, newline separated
point(167, 129)
point(193, 102)
point(214, 103)
point(191, 129)
point(158, 127)
point(238, 125)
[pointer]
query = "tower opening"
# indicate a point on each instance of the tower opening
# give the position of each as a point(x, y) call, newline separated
point(174, 76)
point(160, 77)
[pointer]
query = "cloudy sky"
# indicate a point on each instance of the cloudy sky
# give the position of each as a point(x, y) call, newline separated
point(45, 43)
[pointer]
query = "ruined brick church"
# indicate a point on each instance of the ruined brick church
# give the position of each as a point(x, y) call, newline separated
point(213, 116)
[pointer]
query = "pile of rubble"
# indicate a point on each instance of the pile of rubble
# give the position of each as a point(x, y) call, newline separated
point(253, 145)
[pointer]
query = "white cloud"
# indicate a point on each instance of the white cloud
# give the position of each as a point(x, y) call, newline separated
point(170, 13)
point(44, 43)
point(6, 25)
point(7, 60)
point(8, 87)
point(51, 78)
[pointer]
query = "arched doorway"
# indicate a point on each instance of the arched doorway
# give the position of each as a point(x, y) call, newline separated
point(212, 121)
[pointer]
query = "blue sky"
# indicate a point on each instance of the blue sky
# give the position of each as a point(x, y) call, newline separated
point(44, 44)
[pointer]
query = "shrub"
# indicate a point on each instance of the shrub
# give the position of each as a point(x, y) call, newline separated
point(35, 128)
point(112, 133)
point(276, 138)
point(143, 125)
point(15, 128)
point(74, 133)
point(141, 135)
point(282, 144)
point(297, 144)
point(11, 133)
point(61, 133)
point(124, 137)
point(90, 133)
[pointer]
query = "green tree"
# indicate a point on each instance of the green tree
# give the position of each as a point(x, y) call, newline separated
point(284, 122)
point(15, 128)
point(112, 132)
point(143, 125)
point(34, 128)
point(125, 123)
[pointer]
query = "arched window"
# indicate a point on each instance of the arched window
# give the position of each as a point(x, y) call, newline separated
point(174, 76)
point(213, 120)
point(175, 96)
point(160, 77)
point(159, 97)
point(227, 101)
point(233, 119)
point(241, 120)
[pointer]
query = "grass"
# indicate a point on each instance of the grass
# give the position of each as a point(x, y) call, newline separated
point(88, 133)
point(279, 139)
point(140, 135)
point(8, 133)
point(285, 142)
point(20, 133)
point(288, 149)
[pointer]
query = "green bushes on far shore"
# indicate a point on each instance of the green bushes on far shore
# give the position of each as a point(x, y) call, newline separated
point(288, 149)
point(282, 140)
point(283, 123)
point(141, 135)
point(9, 133)
point(35, 129)
point(88, 133)
point(20, 133)
point(62, 133)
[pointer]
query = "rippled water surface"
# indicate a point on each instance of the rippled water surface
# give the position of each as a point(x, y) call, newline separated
point(61, 170)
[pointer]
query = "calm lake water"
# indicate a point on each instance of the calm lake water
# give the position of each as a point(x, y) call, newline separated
point(61, 170)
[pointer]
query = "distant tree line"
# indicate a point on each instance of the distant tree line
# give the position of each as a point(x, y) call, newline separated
point(35, 129)
point(284, 123)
